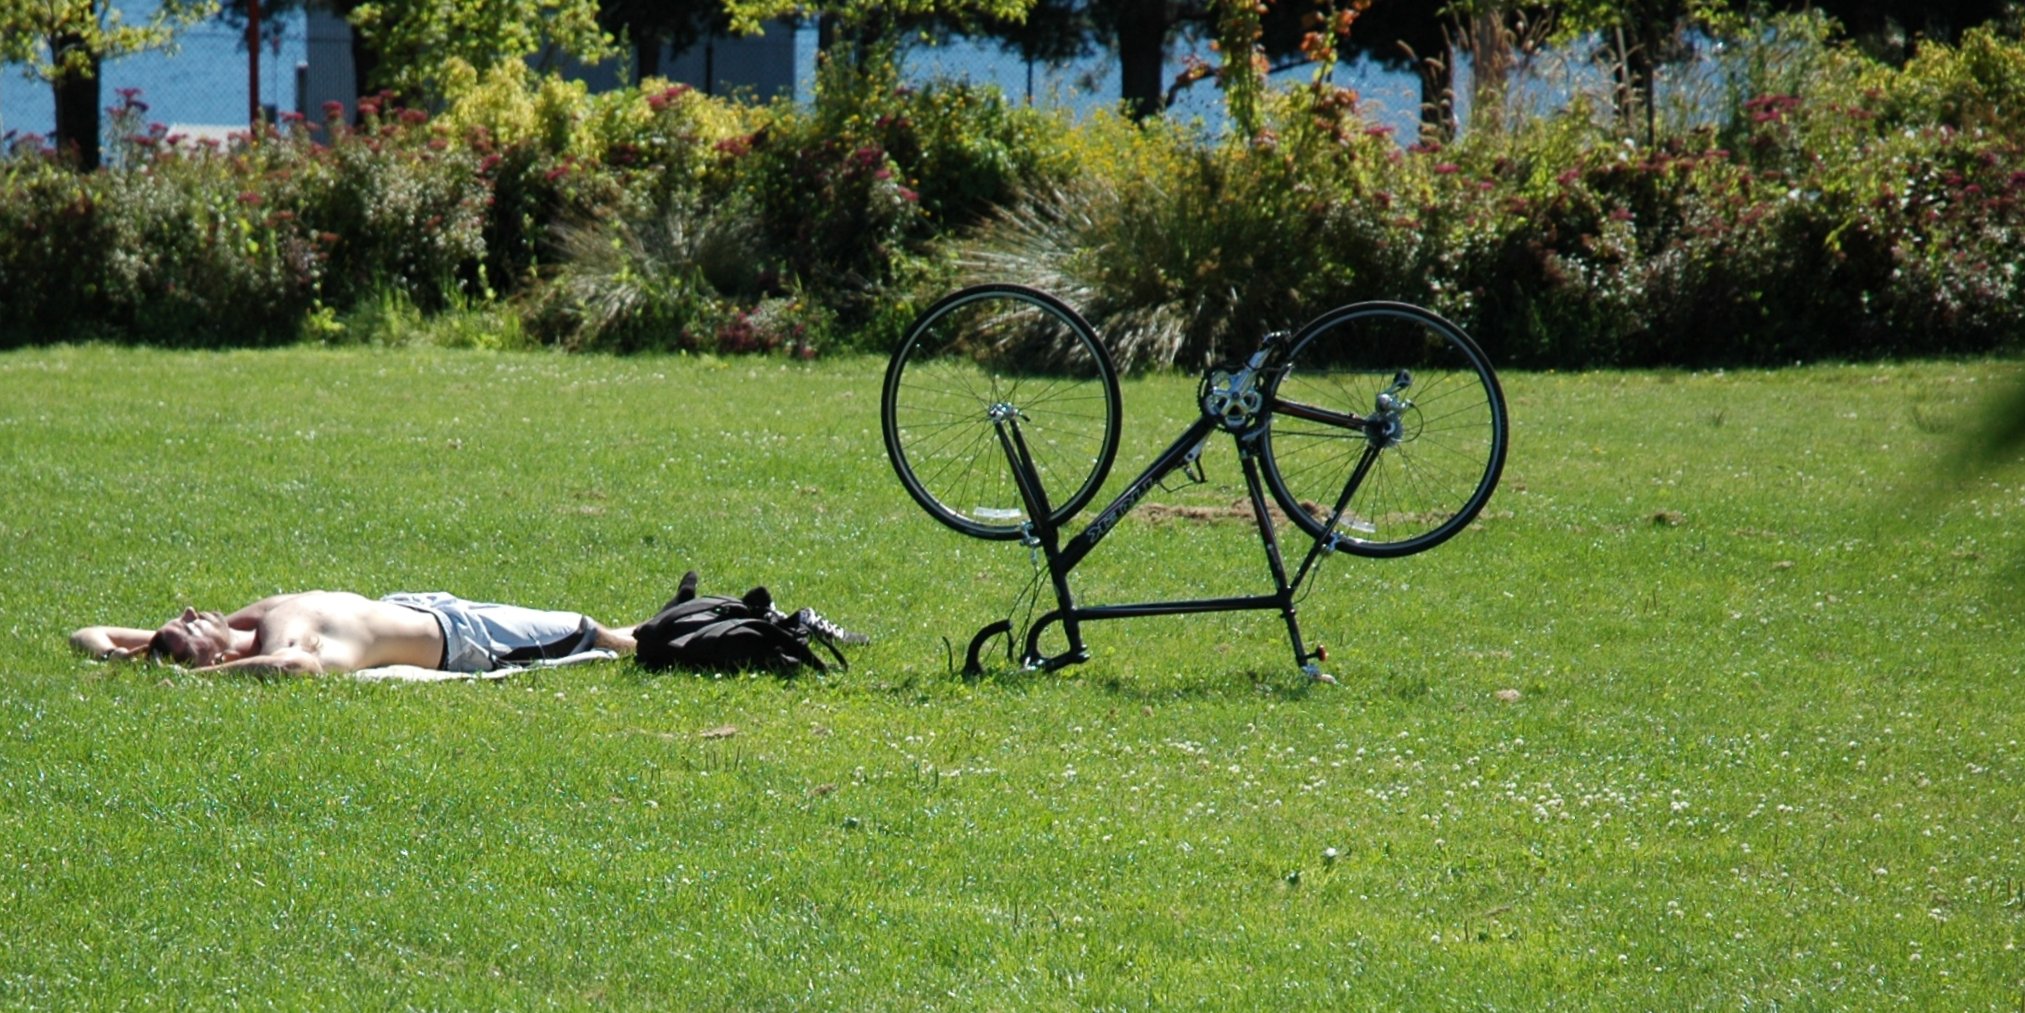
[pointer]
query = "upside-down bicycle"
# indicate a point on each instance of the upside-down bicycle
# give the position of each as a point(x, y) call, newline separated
point(1379, 428)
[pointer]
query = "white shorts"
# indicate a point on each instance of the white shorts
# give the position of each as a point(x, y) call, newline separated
point(482, 637)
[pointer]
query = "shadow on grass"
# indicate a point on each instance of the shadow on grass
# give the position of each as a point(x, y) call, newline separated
point(1987, 453)
point(1235, 685)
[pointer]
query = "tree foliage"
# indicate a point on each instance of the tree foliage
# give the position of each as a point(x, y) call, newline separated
point(648, 25)
point(418, 41)
point(56, 39)
point(1887, 28)
point(748, 16)
point(63, 42)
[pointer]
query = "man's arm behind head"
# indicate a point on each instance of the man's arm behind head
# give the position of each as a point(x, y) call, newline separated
point(111, 642)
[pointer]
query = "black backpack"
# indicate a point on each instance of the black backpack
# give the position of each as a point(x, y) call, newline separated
point(717, 633)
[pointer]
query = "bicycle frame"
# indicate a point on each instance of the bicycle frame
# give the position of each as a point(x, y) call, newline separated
point(1235, 409)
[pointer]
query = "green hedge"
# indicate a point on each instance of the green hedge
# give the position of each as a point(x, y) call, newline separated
point(1847, 209)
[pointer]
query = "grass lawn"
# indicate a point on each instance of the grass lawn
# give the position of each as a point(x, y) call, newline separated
point(1767, 747)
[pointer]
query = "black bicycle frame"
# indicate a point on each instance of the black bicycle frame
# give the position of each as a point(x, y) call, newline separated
point(1044, 534)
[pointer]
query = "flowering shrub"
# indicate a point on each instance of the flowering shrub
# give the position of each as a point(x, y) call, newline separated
point(53, 237)
point(831, 205)
point(1182, 251)
point(204, 244)
point(1866, 211)
point(1839, 208)
point(396, 203)
point(185, 245)
point(834, 209)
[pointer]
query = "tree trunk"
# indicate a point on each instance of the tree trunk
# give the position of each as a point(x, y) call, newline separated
point(1142, 57)
point(646, 57)
point(77, 112)
point(365, 64)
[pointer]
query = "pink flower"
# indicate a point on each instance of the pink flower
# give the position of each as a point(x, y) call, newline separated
point(663, 99)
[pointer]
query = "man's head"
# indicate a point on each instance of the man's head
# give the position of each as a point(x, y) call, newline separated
point(193, 638)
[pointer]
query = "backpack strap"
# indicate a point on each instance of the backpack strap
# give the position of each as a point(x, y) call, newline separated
point(834, 653)
point(804, 631)
point(684, 593)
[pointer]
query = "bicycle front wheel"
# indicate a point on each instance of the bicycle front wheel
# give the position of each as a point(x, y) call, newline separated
point(1386, 430)
point(992, 356)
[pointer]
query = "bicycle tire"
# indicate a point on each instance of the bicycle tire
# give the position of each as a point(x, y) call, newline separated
point(1431, 462)
point(1005, 347)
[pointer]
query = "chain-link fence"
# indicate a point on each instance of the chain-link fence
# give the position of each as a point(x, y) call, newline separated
point(202, 86)
point(204, 83)
point(1092, 82)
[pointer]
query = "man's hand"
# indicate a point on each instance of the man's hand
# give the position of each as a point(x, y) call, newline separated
point(287, 661)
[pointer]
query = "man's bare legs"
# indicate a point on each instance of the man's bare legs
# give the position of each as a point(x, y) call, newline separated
point(620, 640)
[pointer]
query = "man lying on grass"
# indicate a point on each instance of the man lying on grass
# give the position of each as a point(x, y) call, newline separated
point(428, 635)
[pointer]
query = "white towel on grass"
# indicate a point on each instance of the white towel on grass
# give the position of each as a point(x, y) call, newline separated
point(411, 673)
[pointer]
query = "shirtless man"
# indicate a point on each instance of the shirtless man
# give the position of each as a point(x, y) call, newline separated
point(328, 632)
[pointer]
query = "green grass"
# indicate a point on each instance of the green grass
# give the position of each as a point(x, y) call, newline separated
point(1766, 751)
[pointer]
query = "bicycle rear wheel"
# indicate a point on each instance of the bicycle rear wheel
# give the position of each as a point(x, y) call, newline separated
point(1388, 419)
point(1016, 354)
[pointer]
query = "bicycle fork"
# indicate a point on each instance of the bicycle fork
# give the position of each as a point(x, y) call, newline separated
point(1309, 662)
